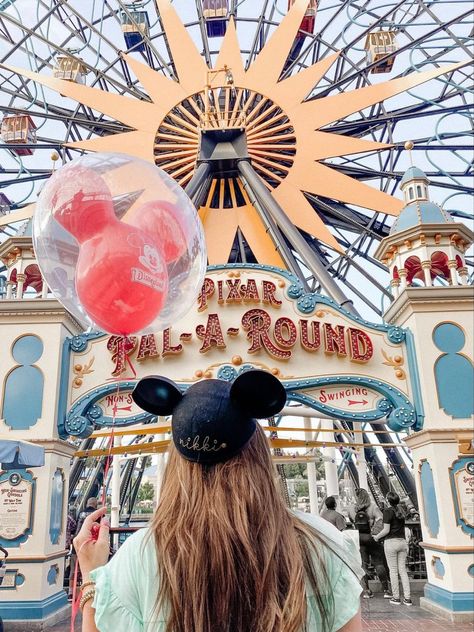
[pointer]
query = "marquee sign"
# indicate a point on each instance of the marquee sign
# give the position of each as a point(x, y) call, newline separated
point(250, 316)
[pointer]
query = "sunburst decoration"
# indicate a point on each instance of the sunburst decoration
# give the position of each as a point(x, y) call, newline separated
point(283, 131)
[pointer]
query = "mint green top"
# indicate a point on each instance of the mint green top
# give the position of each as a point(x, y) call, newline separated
point(126, 588)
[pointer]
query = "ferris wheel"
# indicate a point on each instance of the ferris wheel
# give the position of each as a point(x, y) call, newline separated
point(317, 98)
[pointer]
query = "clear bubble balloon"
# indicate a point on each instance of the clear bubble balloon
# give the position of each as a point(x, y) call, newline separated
point(119, 244)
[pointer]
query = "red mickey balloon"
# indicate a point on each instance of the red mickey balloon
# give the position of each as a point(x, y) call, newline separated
point(121, 279)
point(160, 219)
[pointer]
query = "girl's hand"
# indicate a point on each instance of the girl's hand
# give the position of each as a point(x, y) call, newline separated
point(92, 542)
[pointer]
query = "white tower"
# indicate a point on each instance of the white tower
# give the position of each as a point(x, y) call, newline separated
point(425, 255)
point(33, 327)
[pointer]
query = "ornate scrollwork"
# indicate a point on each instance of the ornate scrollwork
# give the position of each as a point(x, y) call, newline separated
point(396, 335)
point(384, 405)
point(295, 290)
point(401, 419)
point(227, 373)
point(95, 412)
point(78, 426)
point(307, 303)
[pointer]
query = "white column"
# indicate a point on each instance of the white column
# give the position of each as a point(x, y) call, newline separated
point(9, 294)
point(402, 273)
point(115, 507)
point(452, 269)
point(20, 278)
point(330, 465)
point(312, 473)
point(361, 462)
point(44, 290)
point(426, 265)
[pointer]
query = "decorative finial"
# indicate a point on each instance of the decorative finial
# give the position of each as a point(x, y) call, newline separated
point(409, 146)
point(54, 158)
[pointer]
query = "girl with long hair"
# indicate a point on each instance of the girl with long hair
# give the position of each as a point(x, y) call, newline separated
point(222, 553)
point(367, 519)
point(396, 548)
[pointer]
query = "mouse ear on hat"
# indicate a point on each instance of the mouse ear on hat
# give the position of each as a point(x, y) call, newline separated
point(258, 393)
point(157, 395)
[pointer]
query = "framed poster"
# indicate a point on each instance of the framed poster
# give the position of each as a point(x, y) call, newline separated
point(16, 506)
point(461, 474)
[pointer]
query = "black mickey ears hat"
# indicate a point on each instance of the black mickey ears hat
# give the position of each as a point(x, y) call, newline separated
point(214, 419)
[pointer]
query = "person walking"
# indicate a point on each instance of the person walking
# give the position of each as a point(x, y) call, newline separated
point(331, 515)
point(223, 552)
point(367, 519)
point(396, 548)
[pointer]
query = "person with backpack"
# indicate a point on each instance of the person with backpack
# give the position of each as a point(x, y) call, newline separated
point(396, 548)
point(367, 519)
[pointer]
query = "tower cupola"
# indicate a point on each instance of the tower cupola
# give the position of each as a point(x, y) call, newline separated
point(425, 242)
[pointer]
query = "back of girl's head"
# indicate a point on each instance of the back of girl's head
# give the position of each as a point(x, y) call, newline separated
point(232, 557)
point(393, 498)
point(363, 500)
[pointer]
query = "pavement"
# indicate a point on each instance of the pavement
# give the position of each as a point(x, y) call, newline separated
point(378, 615)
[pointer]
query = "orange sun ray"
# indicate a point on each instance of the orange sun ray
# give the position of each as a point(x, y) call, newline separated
point(189, 64)
point(321, 180)
point(267, 68)
point(163, 91)
point(297, 87)
point(139, 144)
point(132, 112)
point(320, 112)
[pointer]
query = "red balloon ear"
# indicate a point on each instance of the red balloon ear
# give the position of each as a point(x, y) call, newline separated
point(85, 205)
point(161, 220)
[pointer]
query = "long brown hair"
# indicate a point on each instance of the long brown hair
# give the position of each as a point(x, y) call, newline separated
point(231, 556)
point(363, 499)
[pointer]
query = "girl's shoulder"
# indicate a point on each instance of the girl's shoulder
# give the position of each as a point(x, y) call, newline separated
point(341, 550)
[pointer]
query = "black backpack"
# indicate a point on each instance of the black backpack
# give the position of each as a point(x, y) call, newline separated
point(361, 521)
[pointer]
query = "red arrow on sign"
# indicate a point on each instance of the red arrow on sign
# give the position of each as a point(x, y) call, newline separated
point(363, 402)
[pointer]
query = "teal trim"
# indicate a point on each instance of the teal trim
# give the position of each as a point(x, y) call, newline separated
point(56, 511)
point(460, 464)
point(28, 476)
point(453, 601)
point(53, 573)
point(32, 610)
point(430, 503)
point(439, 567)
point(27, 349)
point(415, 380)
point(77, 344)
point(470, 570)
point(63, 388)
point(454, 372)
point(23, 393)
